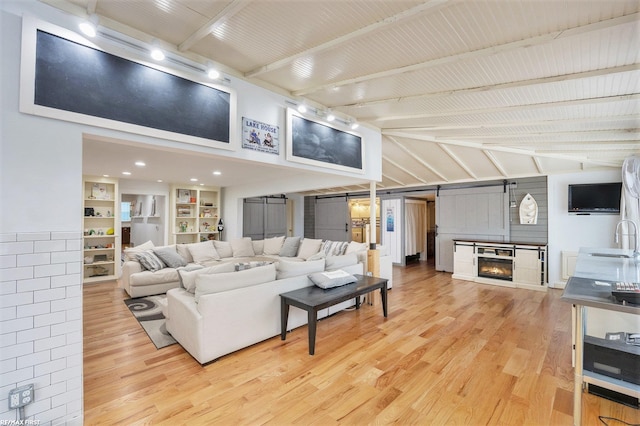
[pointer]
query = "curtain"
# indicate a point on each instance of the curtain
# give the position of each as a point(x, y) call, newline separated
point(630, 200)
point(416, 227)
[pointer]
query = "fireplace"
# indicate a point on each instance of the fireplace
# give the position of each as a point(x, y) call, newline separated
point(496, 268)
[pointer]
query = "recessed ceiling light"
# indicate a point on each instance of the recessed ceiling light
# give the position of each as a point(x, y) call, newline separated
point(126, 173)
point(105, 175)
point(159, 181)
point(193, 180)
point(217, 173)
point(202, 184)
point(140, 163)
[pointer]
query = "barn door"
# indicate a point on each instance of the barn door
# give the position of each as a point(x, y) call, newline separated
point(332, 219)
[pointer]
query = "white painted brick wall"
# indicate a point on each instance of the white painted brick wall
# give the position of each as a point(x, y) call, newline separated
point(41, 324)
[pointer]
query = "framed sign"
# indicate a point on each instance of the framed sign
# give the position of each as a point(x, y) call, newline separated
point(321, 144)
point(260, 136)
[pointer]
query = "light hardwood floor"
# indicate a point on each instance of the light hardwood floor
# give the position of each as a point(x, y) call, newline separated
point(450, 352)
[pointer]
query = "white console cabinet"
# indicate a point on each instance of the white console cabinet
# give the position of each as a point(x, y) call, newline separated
point(521, 265)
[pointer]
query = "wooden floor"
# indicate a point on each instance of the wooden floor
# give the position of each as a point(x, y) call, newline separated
point(450, 352)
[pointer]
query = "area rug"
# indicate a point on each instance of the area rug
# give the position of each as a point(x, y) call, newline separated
point(148, 312)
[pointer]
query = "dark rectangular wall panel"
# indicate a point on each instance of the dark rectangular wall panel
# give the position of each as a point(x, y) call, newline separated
point(84, 80)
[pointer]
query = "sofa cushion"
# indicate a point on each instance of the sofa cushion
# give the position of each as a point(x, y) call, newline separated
point(223, 248)
point(354, 247)
point(273, 245)
point(337, 262)
point(241, 266)
point(289, 247)
point(330, 279)
point(319, 255)
point(334, 248)
point(242, 247)
point(288, 268)
point(216, 283)
point(148, 278)
point(203, 252)
point(309, 247)
point(169, 256)
point(258, 247)
point(183, 251)
point(130, 253)
point(188, 276)
point(150, 261)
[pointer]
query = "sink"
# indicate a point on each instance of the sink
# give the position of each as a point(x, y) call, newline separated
point(620, 256)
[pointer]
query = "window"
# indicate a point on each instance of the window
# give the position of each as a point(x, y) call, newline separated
point(125, 212)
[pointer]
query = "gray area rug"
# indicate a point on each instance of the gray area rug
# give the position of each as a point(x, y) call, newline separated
point(148, 312)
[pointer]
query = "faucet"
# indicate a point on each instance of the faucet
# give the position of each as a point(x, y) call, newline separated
point(636, 250)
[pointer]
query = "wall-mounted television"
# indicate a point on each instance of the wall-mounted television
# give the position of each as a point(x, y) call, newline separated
point(595, 198)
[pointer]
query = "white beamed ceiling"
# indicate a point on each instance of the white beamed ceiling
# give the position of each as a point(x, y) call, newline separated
point(462, 90)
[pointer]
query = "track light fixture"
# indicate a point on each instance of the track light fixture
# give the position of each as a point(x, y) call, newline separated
point(89, 27)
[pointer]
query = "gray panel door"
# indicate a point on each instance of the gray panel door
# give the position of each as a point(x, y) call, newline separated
point(275, 220)
point(332, 219)
point(253, 218)
point(470, 213)
point(264, 217)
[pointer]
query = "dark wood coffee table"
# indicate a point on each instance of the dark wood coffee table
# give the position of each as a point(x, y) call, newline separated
point(312, 299)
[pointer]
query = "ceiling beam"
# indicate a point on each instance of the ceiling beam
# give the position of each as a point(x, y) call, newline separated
point(418, 159)
point(457, 159)
point(386, 176)
point(491, 125)
point(225, 14)
point(601, 135)
point(92, 5)
point(428, 6)
point(484, 52)
point(495, 162)
point(502, 86)
point(536, 161)
point(403, 169)
point(554, 104)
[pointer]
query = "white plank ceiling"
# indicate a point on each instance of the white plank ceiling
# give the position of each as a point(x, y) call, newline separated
point(462, 90)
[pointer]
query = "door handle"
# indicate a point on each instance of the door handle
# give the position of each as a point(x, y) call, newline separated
point(346, 227)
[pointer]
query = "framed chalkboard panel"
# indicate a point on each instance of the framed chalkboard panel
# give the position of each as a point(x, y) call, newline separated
point(77, 82)
point(318, 143)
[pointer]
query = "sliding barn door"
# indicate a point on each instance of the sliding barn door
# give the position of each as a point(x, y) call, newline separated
point(264, 217)
point(470, 213)
point(332, 219)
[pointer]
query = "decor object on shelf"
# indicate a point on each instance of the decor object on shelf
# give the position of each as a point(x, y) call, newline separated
point(528, 210)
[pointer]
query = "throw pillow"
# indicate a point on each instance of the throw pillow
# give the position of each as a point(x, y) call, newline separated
point(223, 248)
point(273, 245)
point(337, 262)
point(258, 247)
point(130, 253)
point(188, 275)
point(149, 261)
point(183, 251)
point(203, 252)
point(289, 247)
point(216, 283)
point(170, 256)
point(334, 248)
point(241, 266)
point(242, 247)
point(309, 247)
point(354, 247)
point(332, 279)
point(289, 268)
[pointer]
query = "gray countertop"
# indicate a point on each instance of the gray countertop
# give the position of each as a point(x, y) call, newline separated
point(596, 269)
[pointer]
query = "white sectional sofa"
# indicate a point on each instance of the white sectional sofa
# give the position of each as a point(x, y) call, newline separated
point(149, 270)
point(228, 311)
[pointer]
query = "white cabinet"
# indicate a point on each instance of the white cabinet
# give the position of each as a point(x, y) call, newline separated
point(464, 265)
point(195, 212)
point(526, 267)
point(101, 225)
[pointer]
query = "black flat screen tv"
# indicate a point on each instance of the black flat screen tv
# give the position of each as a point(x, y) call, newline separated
point(595, 198)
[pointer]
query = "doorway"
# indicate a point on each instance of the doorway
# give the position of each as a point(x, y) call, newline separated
point(143, 219)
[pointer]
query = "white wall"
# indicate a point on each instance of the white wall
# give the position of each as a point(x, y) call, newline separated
point(570, 232)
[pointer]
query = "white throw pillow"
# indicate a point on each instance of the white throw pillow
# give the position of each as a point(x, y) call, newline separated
point(273, 245)
point(130, 253)
point(242, 247)
point(203, 252)
point(216, 283)
point(332, 279)
point(188, 275)
point(258, 247)
point(223, 248)
point(183, 250)
point(337, 262)
point(309, 247)
point(289, 268)
point(354, 247)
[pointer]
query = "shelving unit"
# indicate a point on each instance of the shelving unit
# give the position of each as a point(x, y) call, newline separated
point(195, 213)
point(101, 224)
